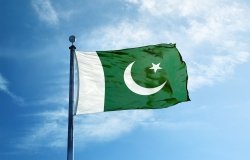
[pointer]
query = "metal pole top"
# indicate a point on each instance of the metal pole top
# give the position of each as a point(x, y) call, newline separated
point(72, 39)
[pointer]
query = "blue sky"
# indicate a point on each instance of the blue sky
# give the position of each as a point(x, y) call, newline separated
point(212, 36)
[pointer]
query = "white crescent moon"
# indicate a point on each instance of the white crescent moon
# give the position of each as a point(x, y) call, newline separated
point(130, 83)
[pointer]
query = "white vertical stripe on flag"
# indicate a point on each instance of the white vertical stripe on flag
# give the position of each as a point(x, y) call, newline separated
point(91, 83)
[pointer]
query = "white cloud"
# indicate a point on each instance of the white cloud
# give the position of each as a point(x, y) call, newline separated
point(59, 99)
point(108, 126)
point(3, 84)
point(50, 133)
point(46, 11)
point(120, 35)
point(96, 127)
point(219, 68)
point(53, 14)
point(5, 89)
point(221, 24)
point(216, 29)
point(56, 90)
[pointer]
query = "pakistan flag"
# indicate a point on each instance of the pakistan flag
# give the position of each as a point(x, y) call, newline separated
point(148, 77)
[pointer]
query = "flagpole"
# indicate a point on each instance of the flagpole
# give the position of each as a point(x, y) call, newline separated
point(70, 149)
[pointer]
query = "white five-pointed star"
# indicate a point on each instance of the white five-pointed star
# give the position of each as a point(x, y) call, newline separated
point(155, 67)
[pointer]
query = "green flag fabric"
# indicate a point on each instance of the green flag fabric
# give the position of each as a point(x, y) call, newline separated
point(148, 77)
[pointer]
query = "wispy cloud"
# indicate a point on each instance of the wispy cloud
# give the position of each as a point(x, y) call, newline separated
point(96, 127)
point(101, 127)
point(56, 90)
point(219, 68)
point(215, 29)
point(4, 88)
point(3, 84)
point(50, 133)
point(52, 14)
point(109, 126)
point(46, 11)
point(120, 35)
